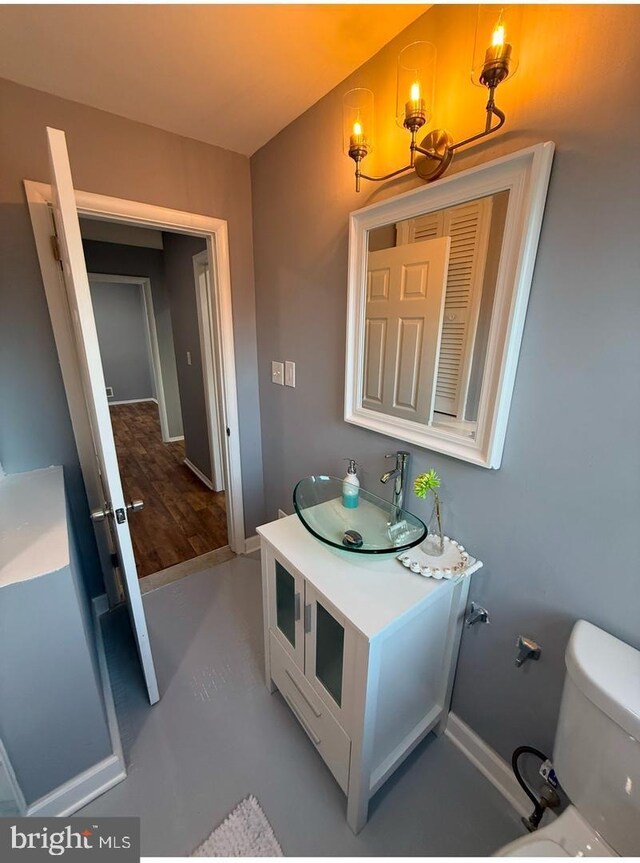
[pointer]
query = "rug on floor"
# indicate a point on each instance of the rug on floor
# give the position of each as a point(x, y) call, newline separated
point(246, 832)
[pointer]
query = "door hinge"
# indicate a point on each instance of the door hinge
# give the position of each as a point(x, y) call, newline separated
point(228, 432)
point(55, 248)
point(115, 560)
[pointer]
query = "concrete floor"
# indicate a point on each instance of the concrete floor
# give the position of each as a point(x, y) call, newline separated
point(217, 736)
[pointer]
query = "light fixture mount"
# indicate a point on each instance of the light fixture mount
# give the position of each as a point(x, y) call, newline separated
point(438, 143)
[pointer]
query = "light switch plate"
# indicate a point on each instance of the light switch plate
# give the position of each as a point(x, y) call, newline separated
point(289, 373)
point(277, 373)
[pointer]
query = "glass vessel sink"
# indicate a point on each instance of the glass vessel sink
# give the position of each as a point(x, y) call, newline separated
point(375, 526)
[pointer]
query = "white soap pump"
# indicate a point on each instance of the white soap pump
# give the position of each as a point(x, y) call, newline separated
point(350, 486)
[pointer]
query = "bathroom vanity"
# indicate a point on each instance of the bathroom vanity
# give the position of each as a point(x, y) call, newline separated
point(362, 650)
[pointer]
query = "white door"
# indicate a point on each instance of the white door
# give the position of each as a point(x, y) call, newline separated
point(77, 285)
point(405, 306)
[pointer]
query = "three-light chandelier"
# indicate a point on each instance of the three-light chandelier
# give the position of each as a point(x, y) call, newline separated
point(494, 61)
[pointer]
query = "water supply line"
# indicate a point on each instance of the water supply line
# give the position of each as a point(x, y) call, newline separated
point(549, 798)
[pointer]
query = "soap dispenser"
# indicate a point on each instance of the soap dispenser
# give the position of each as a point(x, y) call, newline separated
point(350, 486)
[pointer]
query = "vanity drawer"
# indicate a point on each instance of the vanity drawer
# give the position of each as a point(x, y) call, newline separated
point(323, 730)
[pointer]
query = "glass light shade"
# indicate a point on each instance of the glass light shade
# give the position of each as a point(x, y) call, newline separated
point(357, 112)
point(416, 80)
point(497, 42)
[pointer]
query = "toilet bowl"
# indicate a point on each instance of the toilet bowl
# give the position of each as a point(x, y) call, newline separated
point(596, 753)
point(567, 836)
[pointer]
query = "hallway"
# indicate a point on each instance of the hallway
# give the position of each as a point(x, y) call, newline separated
point(182, 518)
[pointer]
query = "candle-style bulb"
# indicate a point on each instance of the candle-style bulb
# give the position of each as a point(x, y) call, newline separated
point(414, 110)
point(498, 36)
point(496, 61)
point(358, 145)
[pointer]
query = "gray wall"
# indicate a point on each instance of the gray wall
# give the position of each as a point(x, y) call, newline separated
point(111, 156)
point(121, 322)
point(52, 719)
point(557, 525)
point(181, 290)
point(52, 715)
point(118, 259)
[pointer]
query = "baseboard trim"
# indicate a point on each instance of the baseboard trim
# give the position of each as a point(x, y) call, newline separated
point(174, 439)
point(80, 790)
point(492, 766)
point(132, 401)
point(86, 786)
point(18, 797)
point(203, 479)
point(252, 544)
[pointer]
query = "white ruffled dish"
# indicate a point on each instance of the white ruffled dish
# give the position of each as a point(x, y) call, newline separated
point(452, 563)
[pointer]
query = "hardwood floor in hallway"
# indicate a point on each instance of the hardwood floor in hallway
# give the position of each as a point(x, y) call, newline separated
point(181, 518)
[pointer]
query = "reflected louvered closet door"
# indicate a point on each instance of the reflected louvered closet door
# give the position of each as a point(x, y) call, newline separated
point(468, 226)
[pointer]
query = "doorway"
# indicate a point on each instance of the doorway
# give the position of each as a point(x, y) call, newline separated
point(54, 210)
point(210, 283)
point(167, 442)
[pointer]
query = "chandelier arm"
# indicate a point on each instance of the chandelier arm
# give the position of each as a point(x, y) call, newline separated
point(387, 176)
point(492, 111)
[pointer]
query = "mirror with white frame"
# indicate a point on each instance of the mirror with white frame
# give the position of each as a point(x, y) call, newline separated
point(439, 280)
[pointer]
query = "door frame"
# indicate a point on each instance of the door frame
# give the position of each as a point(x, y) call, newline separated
point(218, 329)
point(153, 348)
point(202, 285)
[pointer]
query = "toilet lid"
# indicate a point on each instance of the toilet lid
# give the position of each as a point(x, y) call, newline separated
point(539, 848)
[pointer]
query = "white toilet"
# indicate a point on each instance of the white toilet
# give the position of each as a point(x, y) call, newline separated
point(596, 753)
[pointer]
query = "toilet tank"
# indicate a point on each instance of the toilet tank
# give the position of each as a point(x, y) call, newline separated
point(597, 750)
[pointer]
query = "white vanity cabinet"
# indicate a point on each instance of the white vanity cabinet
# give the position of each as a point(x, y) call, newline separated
point(362, 650)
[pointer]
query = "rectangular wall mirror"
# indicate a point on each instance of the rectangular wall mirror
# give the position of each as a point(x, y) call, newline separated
point(439, 281)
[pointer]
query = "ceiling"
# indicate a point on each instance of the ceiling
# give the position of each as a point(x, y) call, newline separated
point(230, 75)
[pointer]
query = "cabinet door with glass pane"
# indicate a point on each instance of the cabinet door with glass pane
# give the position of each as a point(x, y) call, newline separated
point(327, 645)
point(286, 613)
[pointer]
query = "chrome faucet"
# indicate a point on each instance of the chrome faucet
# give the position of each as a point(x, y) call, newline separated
point(399, 474)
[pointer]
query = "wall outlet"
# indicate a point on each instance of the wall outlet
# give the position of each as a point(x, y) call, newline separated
point(109, 392)
point(289, 373)
point(188, 358)
point(277, 373)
